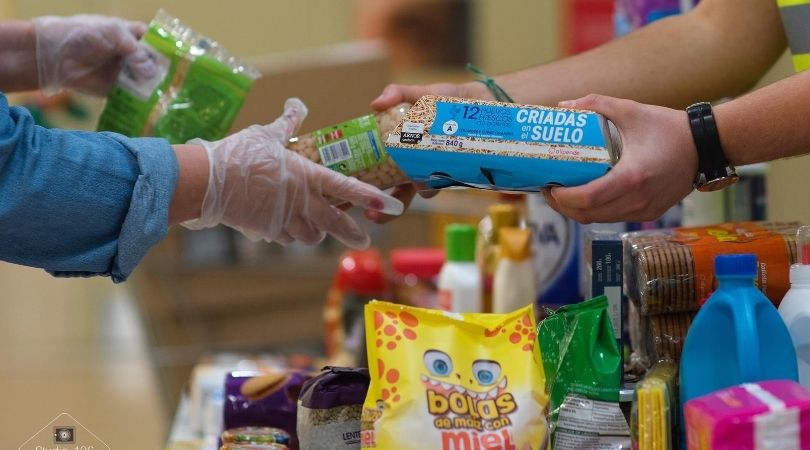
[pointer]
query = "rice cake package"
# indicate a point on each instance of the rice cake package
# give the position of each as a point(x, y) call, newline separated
point(329, 409)
point(672, 271)
point(452, 381)
point(197, 92)
point(446, 141)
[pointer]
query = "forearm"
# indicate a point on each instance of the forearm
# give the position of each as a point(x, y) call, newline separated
point(18, 59)
point(192, 183)
point(770, 123)
point(719, 49)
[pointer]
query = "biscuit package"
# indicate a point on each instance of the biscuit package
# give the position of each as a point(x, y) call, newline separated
point(669, 271)
point(446, 141)
point(669, 274)
point(451, 381)
point(197, 92)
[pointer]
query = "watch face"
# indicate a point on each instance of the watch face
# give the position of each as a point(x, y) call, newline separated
point(717, 184)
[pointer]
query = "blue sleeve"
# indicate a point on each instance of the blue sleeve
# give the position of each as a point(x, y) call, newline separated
point(79, 203)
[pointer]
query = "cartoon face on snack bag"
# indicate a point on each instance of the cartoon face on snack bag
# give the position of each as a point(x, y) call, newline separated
point(453, 381)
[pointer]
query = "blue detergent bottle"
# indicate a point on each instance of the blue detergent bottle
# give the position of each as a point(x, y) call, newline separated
point(737, 336)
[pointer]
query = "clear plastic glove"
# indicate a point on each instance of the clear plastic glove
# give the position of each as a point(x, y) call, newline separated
point(269, 193)
point(86, 52)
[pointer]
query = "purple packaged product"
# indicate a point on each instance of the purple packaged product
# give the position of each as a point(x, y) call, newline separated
point(330, 407)
point(268, 399)
point(643, 12)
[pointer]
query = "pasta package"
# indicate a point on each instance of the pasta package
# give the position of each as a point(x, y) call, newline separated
point(197, 92)
point(446, 141)
point(452, 381)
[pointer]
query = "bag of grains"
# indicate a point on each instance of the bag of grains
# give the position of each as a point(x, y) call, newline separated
point(330, 407)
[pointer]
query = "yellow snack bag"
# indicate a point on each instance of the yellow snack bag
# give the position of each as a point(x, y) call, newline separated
point(448, 381)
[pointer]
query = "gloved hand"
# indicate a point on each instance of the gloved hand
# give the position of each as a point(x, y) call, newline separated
point(87, 52)
point(269, 193)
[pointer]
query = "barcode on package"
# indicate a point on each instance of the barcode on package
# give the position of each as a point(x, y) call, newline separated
point(335, 153)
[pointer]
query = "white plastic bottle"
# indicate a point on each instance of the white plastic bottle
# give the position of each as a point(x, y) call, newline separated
point(460, 280)
point(514, 286)
point(795, 307)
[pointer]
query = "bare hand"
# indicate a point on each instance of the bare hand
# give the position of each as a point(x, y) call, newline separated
point(656, 170)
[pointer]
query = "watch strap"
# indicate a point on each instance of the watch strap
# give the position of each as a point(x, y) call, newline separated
point(712, 162)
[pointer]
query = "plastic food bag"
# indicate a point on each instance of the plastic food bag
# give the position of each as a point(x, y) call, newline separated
point(356, 147)
point(264, 399)
point(670, 271)
point(654, 416)
point(255, 435)
point(329, 409)
point(451, 381)
point(581, 359)
point(197, 92)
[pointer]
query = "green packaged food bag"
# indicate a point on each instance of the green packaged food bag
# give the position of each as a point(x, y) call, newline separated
point(583, 369)
point(197, 92)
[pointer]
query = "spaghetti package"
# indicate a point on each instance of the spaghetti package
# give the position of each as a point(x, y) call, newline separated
point(197, 92)
point(452, 381)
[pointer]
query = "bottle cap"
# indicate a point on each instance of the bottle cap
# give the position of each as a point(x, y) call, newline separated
point(459, 242)
point(361, 271)
point(516, 243)
point(425, 263)
point(735, 265)
point(503, 215)
point(799, 274)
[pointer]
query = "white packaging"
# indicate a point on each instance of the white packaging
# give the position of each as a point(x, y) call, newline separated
point(795, 311)
point(460, 287)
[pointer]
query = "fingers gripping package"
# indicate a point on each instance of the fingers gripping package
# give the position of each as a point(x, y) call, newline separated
point(449, 381)
point(197, 91)
point(445, 141)
point(355, 147)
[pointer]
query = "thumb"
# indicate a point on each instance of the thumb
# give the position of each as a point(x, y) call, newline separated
point(140, 63)
point(287, 124)
point(615, 109)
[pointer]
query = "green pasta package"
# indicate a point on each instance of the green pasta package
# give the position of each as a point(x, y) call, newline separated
point(197, 92)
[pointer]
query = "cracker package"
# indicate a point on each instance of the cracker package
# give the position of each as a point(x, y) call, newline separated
point(446, 141)
point(197, 91)
point(669, 274)
point(451, 381)
point(670, 271)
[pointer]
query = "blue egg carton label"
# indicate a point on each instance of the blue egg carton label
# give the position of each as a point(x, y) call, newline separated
point(444, 141)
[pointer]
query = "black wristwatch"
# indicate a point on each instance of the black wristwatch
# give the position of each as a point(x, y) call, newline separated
point(714, 170)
